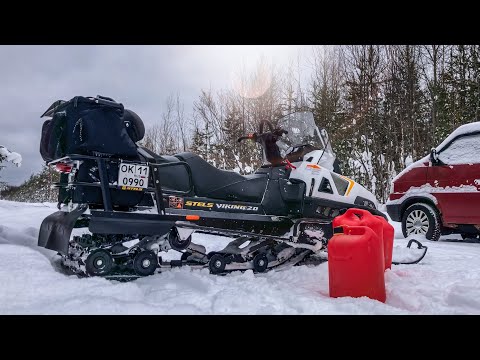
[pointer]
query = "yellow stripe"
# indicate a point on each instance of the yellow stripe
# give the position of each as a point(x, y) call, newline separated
point(350, 184)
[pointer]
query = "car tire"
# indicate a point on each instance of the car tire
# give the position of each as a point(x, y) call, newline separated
point(421, 219)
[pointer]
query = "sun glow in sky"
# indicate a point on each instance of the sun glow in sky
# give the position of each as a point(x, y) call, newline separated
point(223, 64)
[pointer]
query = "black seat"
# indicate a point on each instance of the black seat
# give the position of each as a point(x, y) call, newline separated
point(215, 183)
point(174, 177)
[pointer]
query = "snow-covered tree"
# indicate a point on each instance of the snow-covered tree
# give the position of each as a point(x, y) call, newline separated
point(7, 155)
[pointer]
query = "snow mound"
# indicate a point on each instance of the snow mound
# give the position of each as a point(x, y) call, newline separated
point(404, 254)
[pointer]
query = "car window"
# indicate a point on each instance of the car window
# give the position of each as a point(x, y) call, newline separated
point(464, 150)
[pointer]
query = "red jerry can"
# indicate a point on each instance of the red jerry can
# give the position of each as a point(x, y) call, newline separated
point(356, 264)
point(381, 227)
point(388, 235)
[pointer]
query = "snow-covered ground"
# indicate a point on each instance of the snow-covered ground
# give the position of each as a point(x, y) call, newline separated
point(446, 281)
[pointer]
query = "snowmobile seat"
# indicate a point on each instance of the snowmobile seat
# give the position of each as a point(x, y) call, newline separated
point(152, 157)
point(172, 177)
point(227, 185)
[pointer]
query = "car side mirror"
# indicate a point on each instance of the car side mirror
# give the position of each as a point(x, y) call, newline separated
point(434, 156)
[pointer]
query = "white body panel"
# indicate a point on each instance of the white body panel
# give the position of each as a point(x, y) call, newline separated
point(317, 167)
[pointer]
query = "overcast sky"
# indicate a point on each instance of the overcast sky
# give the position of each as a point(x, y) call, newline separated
point(141, 77)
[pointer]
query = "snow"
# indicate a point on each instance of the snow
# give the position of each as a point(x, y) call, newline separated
point(426, 190)
point(408, 160)
point(448, 189)
point(423, 191)
point(464, 129)
point(444, 282)
point(462, 151)
point(404, 254)
point(11, 156)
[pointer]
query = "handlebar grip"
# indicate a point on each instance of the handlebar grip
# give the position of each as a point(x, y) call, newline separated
point(280, 132)
point(249, 136)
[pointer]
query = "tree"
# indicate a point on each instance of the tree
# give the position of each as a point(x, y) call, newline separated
point(327, 97)
point(462, 86)
point(228, 114)
point(169, 136)
point(364, 66)
point(36, 189)
point(433, 58)
point(7, 155)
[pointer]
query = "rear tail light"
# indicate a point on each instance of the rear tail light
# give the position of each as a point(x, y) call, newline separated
point(63, 168)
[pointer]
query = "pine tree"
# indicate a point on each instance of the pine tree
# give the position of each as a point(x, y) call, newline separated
point(462, 93)
point(232, 156)
point(199, 144)
point(327, 101)
point(38, 188)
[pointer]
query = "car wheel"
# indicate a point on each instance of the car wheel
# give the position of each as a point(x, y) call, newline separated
point(421, 219)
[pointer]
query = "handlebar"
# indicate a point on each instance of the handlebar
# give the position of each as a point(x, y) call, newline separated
point(249, 136)
point(255, 136)
point(270, 126)
point(268, 141)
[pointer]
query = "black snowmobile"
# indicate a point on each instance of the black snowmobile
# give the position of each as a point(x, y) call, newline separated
point(121, 205)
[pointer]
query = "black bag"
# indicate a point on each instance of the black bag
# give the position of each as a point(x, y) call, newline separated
point(134, 125)
point(86, 126)
point(45, 140)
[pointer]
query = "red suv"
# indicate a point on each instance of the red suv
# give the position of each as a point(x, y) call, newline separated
point(440, 194)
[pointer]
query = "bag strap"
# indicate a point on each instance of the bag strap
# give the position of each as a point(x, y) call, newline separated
point(105, 98)
point(110, 103)
point(101, 100)
point(49, 112)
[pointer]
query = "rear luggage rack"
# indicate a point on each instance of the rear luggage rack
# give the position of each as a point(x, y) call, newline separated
point(106, 186)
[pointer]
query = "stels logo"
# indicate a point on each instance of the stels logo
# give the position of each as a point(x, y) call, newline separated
point(199, 204)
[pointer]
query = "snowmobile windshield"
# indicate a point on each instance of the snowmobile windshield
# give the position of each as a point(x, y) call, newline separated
point(302, 130)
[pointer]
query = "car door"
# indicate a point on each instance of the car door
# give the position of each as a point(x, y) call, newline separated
point(455, 180)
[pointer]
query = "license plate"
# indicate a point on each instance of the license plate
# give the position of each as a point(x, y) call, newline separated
point(133, 177)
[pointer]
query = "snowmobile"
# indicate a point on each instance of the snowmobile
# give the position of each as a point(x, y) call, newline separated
point(122, 212)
